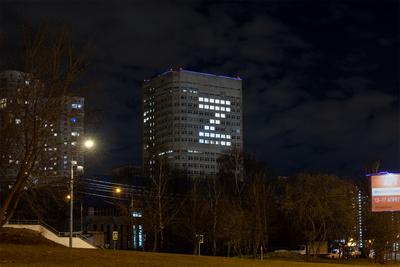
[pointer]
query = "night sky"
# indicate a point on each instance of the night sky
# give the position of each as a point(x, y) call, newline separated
point(320, 78)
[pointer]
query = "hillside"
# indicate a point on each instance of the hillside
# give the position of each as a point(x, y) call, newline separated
point(25, 248)
point(23, 237)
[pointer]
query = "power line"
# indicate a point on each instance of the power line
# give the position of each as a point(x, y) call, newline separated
point(103, 196)
point(113, 183)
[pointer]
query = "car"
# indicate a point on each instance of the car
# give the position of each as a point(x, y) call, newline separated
point(352, 252)
point(334, 254)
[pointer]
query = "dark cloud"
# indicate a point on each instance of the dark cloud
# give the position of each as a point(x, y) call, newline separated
point(356, 62)
point(335, 131)
point(354, 82)
point(320, 79)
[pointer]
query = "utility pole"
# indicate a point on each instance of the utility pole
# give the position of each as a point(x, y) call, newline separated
point(262, 253)
point(71, 206)
point(81, 217)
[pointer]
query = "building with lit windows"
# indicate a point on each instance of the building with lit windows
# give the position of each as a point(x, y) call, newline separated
point(190, 119)
point(68, 137)
point(360, 201)
point(64, 134)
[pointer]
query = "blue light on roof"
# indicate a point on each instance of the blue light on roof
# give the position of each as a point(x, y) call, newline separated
point(73, 120)
point(201, 73)
point(382, 173)
point(208, 74)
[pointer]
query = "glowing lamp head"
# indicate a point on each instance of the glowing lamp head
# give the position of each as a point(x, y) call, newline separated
point(89, 144)
point(118, 190)
point(68, 197)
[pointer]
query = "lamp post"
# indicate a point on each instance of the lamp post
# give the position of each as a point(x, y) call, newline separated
point(88, 144)
point(71, 206)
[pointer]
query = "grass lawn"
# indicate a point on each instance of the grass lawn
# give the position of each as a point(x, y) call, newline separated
point(14, 251)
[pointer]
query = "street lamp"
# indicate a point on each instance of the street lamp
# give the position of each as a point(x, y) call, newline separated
point(88, 144)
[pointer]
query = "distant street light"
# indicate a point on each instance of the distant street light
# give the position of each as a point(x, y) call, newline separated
point(118, 190)
point(88, 144)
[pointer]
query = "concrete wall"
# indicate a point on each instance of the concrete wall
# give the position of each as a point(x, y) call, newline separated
point(76, 241)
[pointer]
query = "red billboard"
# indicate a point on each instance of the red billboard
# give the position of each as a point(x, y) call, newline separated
point(385, 192)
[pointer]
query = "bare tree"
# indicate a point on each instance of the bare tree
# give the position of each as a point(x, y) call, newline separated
point(215, 195)
point(161, 206)
point(236, 227)
point(231, 167)
point(49, 68)
point(261, 205)
point(248, 207)
point(194, 217)
point(320, 207)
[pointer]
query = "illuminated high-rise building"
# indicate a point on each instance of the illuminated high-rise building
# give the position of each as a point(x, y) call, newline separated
point(190, 119)
point(64, 134)
point(69, 134)
point(360, 201)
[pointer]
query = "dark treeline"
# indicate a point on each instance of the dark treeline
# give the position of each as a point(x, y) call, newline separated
point(243, 208)
point(246, 207)
point(233, 210)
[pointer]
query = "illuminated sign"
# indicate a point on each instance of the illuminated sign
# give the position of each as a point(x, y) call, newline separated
point(385, 192)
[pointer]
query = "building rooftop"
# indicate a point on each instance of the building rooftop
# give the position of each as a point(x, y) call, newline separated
point(198, 73)
point(382, 173)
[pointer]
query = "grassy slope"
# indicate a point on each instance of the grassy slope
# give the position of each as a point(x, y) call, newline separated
point(13, 252)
